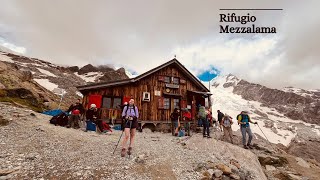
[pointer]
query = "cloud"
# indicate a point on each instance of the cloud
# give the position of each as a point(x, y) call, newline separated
point(140, 35)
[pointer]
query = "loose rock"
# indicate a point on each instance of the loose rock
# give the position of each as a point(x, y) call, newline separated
point(225, 169)
point(234, 176)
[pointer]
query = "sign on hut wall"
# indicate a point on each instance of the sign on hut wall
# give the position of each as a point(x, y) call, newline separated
point(173, 86)
point(157, 93)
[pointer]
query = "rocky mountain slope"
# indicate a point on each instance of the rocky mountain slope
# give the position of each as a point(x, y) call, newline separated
point(44, 82)
point(274, 111)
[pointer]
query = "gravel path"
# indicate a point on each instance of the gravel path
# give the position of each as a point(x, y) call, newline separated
point(35, 149)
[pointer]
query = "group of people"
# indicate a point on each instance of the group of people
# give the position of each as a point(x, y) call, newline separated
point(243, 119)
point(76, 113)
point(181, 126)
point(130, 115)
point(205, 120)
point(204, 116)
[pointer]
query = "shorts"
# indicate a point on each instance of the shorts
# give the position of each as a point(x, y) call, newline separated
point(175, 124)
point(134, 124)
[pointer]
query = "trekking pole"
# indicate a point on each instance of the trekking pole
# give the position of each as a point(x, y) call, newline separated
point(130, 136)
point(118, 140)
point(263, 133)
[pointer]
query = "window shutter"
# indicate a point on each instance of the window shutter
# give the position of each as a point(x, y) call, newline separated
point(95, 99)
point(160, 103)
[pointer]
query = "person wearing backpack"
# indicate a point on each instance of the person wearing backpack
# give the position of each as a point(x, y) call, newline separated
point(244, 120)
point(202, 115)
point(220, 116)
point(76, 110)
point(175, 119)
point(186, 117)
point(91, 116)
point(226, 124)
point(130, 114)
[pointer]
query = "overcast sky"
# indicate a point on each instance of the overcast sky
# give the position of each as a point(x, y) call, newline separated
point(141, 34)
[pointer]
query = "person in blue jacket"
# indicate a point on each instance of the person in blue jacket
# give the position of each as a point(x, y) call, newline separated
point(244, 122)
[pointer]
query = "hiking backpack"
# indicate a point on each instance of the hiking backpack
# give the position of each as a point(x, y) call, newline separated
point(238, 118)
point(60, 119)
point(202, 113)
point(227, 122)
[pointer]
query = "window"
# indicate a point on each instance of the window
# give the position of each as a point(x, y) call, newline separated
point(116, 103)
point(111, 102)
point(176, 103)
point(176, 80)
point(106, 102)
point(167, 79)
point(166, 104)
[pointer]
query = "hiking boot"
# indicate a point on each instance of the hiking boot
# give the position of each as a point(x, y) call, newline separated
point(209, 137)
point(123, 152)
point(129, 151)
point(249, 146)
point(246, 147)
point(204, 135)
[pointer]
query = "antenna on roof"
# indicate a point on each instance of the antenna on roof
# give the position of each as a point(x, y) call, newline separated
point(175, 56)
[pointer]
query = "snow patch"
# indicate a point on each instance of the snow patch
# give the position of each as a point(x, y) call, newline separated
point(5, 58)
point(46, 84)
point(90, 77)
point(46, 72)
point(130, 75)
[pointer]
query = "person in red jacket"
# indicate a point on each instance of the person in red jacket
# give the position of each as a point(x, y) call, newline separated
point(186, 116)
point(76, 110)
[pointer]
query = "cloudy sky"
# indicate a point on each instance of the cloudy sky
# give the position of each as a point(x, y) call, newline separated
point(141, 34)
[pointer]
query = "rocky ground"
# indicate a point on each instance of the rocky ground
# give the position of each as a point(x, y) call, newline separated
point(31, 148)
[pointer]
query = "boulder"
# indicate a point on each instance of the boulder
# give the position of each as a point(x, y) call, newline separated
point(211, 172)
point(225, 169)
point(217, 173)
point(270, 168)
point(234, 176)
point(275, 161)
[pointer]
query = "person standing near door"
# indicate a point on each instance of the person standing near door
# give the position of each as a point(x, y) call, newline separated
point(202, 115)
point(175, 119)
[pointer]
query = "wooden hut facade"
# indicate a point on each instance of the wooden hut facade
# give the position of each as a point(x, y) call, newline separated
point(156, 93)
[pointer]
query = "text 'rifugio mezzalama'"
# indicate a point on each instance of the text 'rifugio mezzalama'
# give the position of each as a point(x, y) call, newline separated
point(227, 28)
